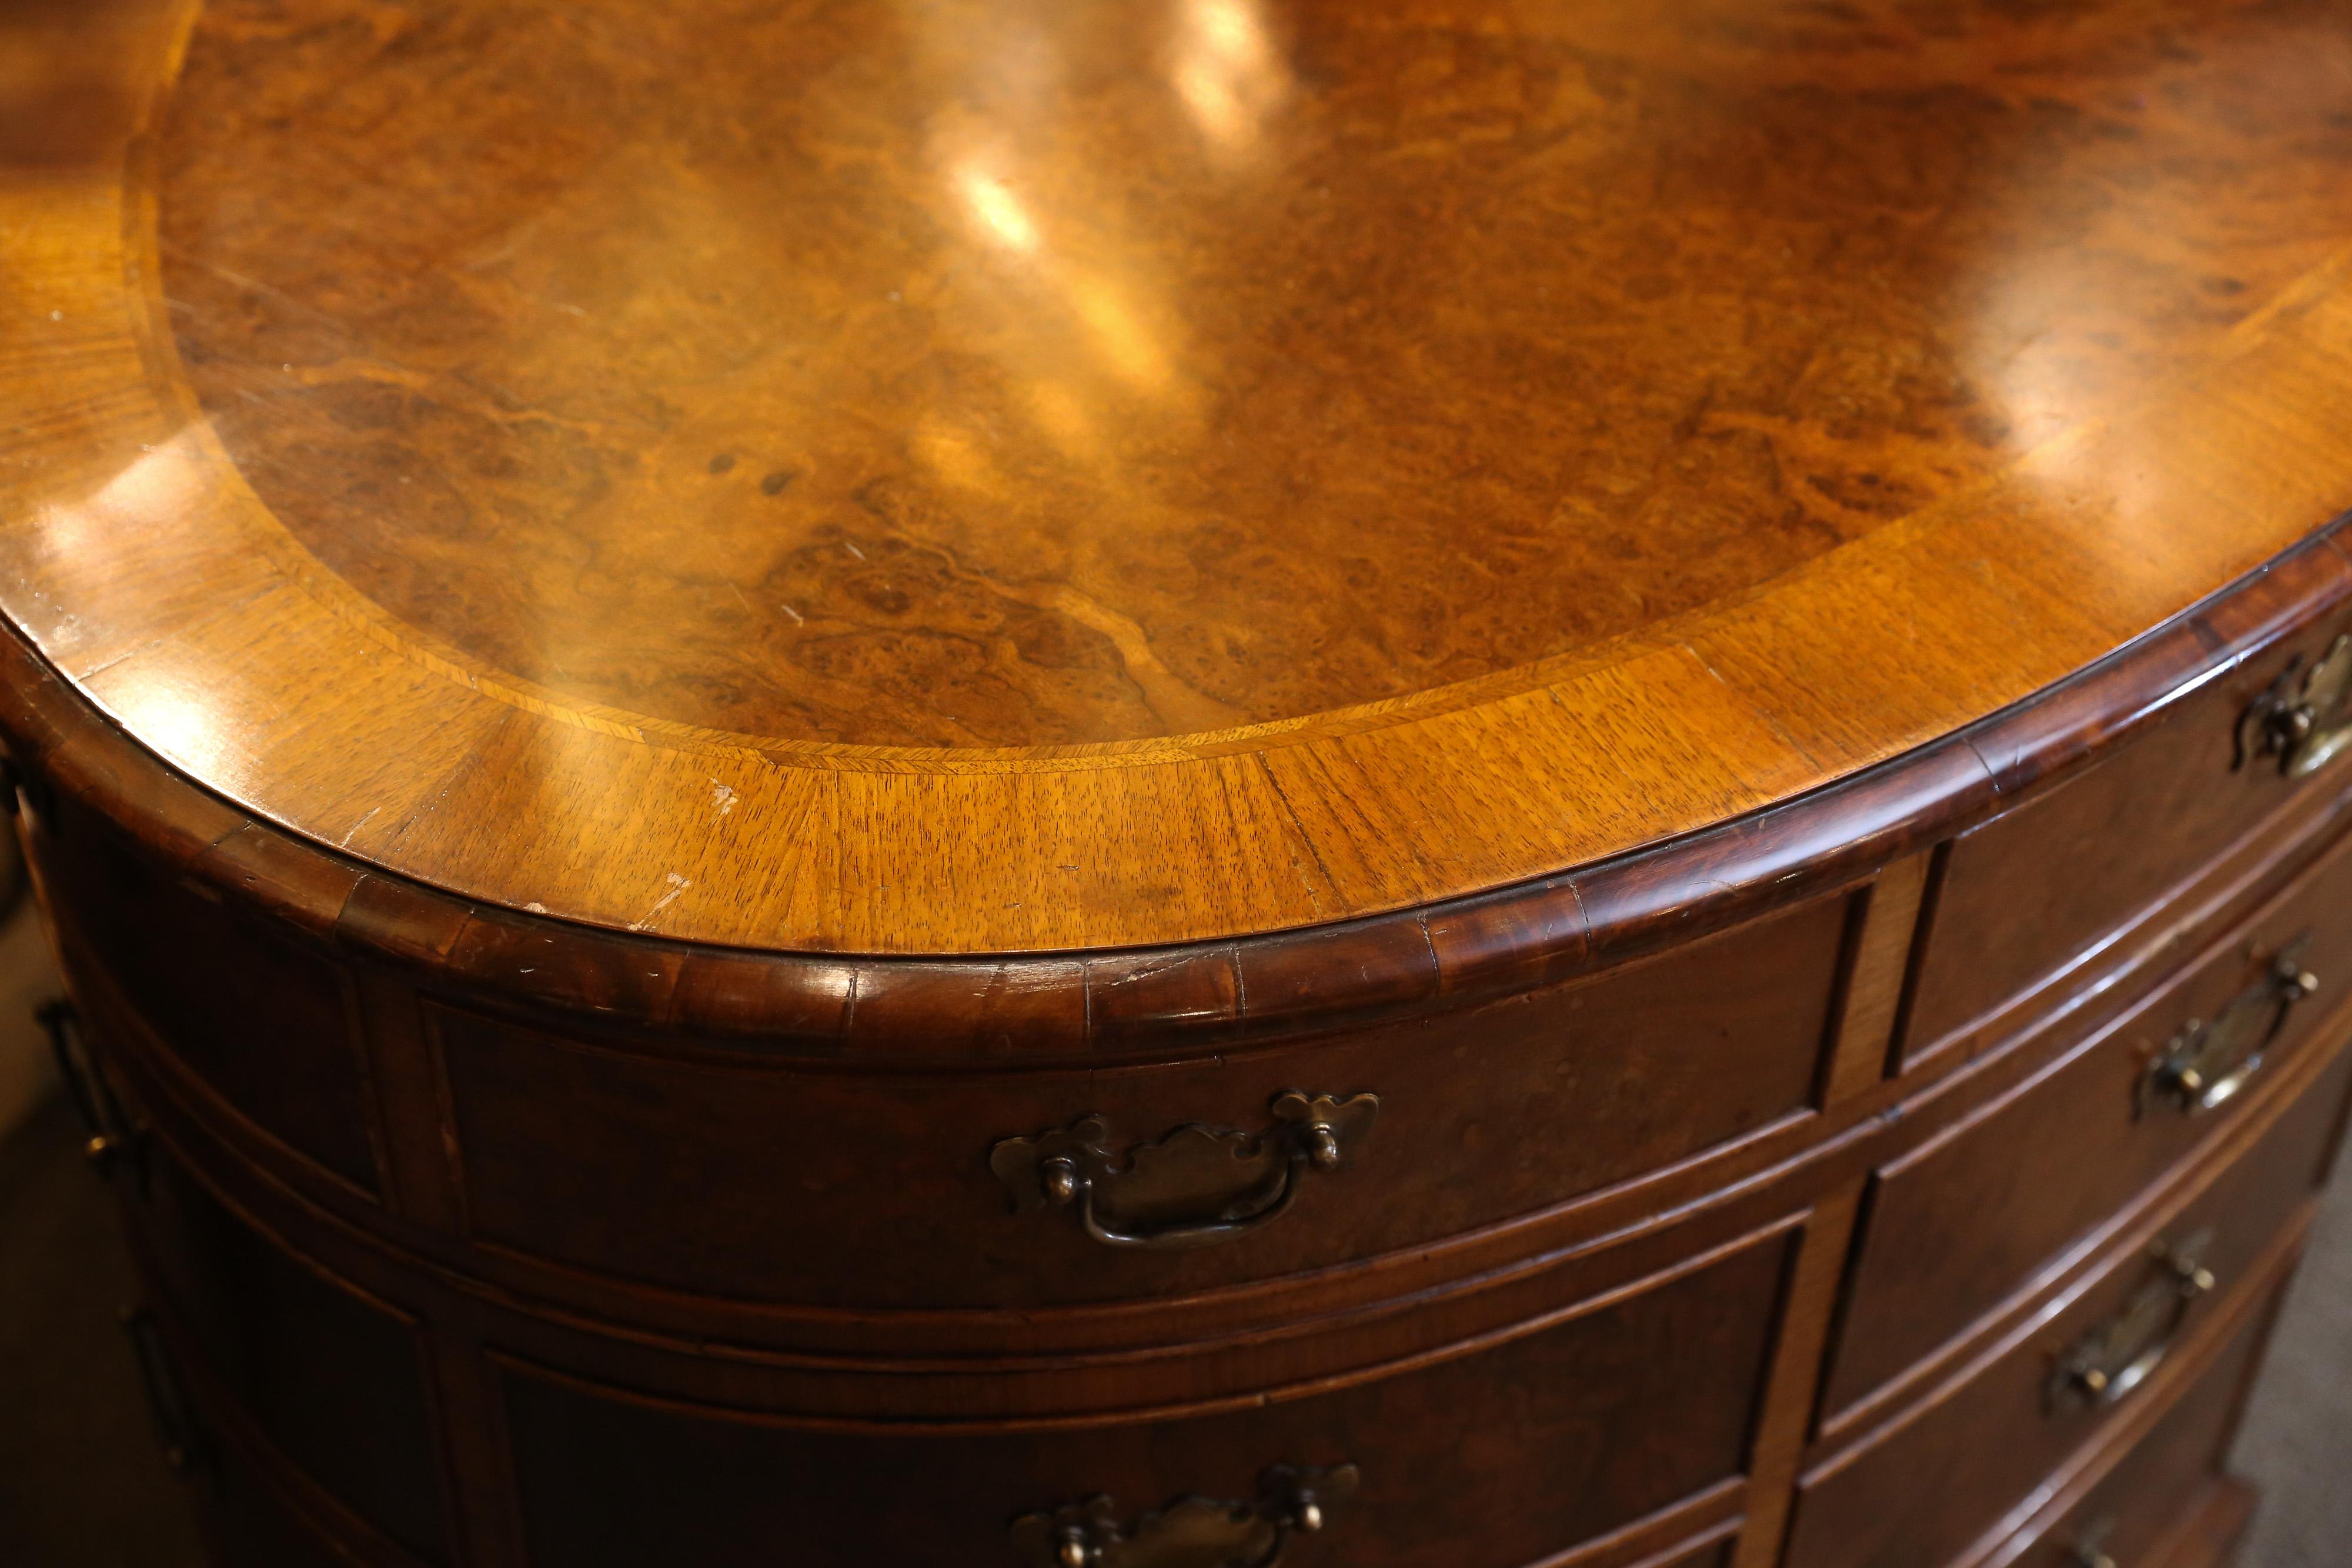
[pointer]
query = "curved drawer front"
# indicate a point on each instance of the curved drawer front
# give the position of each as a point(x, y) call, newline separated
point(256, 1511)
point(333, 1382)
point(1496, 1459)
point(2047, 1390)
point(2023, 897)
point(265, 1018)
point(2128, 1515)
point(1960, 1223)
point(727, 1175)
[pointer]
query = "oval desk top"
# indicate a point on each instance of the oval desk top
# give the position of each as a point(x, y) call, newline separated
point(957, 478)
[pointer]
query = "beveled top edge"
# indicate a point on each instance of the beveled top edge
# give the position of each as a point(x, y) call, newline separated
point(945, 1012)
point(142, 568)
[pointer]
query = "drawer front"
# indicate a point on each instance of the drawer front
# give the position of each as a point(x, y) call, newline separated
point(2146, 1498)
point(243, 1503)
point(264, 1022)
point(2026, 894)
point(724, 1176)
point(1958, 1225)
point(1492, 1459)
point(252, 1524)
point(332, 1382)
point(1921, 1490)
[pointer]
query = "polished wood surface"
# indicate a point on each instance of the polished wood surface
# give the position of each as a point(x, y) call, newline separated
point(1959, 1219)
point(1313, 463)
point(1994, 1428)
point(1147, 786)
point(422, 1291)
point(945, 377)
point(2126, 1497)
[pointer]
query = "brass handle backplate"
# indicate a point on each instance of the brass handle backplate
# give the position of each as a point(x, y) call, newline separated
point(2304, 727)
point(2108, 1363)
point(1192, 1186)
point(1192, 1531)
point(2207, 1063)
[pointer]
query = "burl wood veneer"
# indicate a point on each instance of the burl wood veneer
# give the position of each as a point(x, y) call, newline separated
point(1193, 784)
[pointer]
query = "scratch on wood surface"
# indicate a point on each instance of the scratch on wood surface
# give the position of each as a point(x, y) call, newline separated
point(677, 884)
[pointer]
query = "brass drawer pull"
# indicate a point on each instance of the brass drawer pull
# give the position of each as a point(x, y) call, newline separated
point(1191, 1187)
point(2112, 1360)
point(2207, 1063)
point(2090, 1548)
point(109, 1133)
point(1192, 1531)
point(175, 1429)
point(2303, 729)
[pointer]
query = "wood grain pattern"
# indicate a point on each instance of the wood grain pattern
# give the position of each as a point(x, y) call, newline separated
point(1992, 1441)
point(1786, 1415)
point(1347, 1327)
point(2006, 928)
point(629, 633)
point(608, 1479)
point(1878, 967)
point(1961, 1219)
point(2190, 675)
point(630, 992)
point(1101, 404)
point(2152, 1488)
point(1182, 552)
point(1523, 1090)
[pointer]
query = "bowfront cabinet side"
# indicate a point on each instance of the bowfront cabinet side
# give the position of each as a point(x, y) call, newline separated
point(1490, 1278)
point(1224, 784)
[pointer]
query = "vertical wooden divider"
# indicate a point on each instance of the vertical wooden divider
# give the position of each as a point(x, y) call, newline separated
point(423, 1185)
point(1806, 1314)
point(1872, 993)
point(1869, 995)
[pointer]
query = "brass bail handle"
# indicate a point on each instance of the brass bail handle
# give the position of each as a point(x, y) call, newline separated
point(1191, 1187)
point(1192, 1531)
point(1318, 1144)
point(2205, 1066)
point(176, 1431)
point(2109, 1363)
point(2305, 727)
point(106, 1133)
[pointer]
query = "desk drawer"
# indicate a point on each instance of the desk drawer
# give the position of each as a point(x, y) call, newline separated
point(265, 1021)
point(2132, 1511)
point(1963, 1222)
point(1638, 1410)
point(1999, 1429)
point(2028, 894)
point(333, 1382)
point(726, 1175)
